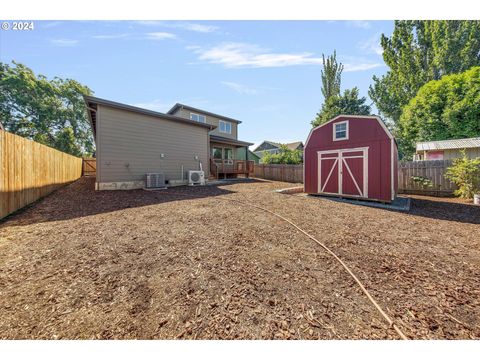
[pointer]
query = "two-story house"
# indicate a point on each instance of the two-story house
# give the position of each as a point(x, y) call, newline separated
point(132, 141)
point(226, 151)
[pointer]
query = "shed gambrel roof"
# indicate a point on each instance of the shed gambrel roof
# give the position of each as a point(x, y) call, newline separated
point(449, 144)
point(352, 117)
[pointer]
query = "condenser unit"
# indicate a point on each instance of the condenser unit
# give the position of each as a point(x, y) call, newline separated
point(155, 180)
point(196, 177)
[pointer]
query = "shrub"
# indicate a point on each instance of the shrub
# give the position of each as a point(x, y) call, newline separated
point(422, 181)
point(465, 173)
point(285, 156)
point(442, 109)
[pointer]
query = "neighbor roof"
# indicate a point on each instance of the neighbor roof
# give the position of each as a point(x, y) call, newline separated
point(291, 146)
point(92, 103)
point(191, 108)
point(294, 145)
point(449, 144)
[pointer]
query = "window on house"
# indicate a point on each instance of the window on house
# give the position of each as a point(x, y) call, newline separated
point(228, 154)
point(340, 131)
point(217, 152)
point(225, 127)
point(197, 117)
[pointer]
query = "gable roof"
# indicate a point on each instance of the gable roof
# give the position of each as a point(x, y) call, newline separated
point(191, 108)
point(251, 153)
point(294, 145)
point(290, 146)
point(92, 103)
point(449, 144)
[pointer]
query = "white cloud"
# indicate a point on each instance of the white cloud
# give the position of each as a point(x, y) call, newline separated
point(360, 66)
point(238, 55)
point(64, 42)
point(240, 88)
point(160, 35)
point(111, 36)
point(197, 27)
point(148, 22)
point(362, 24)
point(202, 28)
point(372, 45)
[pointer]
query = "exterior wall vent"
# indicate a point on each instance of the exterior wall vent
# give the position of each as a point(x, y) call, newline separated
point(155, 180)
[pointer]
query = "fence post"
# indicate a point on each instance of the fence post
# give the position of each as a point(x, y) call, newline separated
point(433, 170)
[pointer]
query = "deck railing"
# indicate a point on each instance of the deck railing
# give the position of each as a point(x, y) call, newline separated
point(221, 166)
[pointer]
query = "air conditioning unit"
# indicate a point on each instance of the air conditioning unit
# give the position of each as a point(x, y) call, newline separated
point(196, 177)
point(155, 180)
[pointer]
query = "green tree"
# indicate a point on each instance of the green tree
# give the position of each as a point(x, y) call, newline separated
point(420, 51)
point(331, 76)
point(51, 112)
point(349, 103)
point(284, 156)
point(465, 173)
point(448, 108)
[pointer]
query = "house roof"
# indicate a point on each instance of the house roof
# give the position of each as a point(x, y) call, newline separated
point(253, 154)
point(92, 103)
point(294, 145)
point(291, 146)
point(449, 144)
point(225, 140)
point(191, 108)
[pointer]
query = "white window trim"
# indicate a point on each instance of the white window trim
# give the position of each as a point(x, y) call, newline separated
point(346, 130)
point(220, 127)
point(203, 122)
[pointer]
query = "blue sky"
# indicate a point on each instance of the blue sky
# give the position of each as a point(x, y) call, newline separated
point(264, 73)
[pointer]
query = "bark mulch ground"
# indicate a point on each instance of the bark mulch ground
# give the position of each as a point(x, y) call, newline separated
point(138, 264)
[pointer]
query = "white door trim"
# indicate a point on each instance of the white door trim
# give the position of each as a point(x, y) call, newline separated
point(340, 160)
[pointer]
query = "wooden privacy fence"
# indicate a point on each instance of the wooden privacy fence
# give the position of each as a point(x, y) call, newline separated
point(89, 167)
point(29, 171)
point(279, 172)
point(432, 170)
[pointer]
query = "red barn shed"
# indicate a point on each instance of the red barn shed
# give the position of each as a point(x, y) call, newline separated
point(352, 156)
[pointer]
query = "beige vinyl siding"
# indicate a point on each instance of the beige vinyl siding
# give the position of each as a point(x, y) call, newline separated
point(213, 121)
point(455, 153)
point(129, 145)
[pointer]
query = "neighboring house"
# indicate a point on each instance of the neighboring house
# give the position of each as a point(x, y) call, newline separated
point(274, 148)
point(352, 156)
point(251, 156)
point(447, 149)
point(132, 141)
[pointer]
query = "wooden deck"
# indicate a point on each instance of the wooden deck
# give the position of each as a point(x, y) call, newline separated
point(223, 168)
